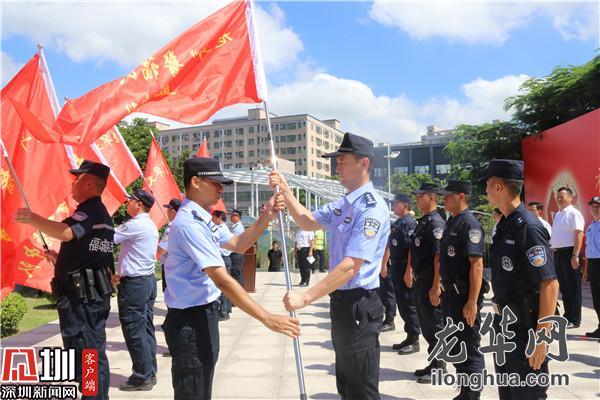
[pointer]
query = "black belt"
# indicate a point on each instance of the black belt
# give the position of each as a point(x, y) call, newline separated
point(350, 294)
point(128, 278)
point(561, 249)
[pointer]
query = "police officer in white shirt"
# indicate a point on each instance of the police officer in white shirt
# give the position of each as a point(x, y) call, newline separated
point(237, 259)
point(305, 242)
point(566, 241)
point(138, 238)
point(537, 208)
point(196, 276)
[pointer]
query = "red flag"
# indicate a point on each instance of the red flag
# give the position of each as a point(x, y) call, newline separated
point(160, 182)
point(212, 65)
point(43, 171)
point(117, 155)
point(203, 150)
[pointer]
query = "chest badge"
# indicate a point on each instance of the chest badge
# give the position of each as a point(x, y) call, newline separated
point(347, 220)
point(537, 256)
point(337, 212)
point(507, 264)
point(451, 251)
point(437, 233)
point(417, 242)
point(394, 242)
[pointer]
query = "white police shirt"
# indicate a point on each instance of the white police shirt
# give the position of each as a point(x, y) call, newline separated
point(359, 225)
point(237, 228)
point(192, 248)
point(164, 244)
point(303, 238)
point(138, 238)
point(564, 224)
point(223, 234)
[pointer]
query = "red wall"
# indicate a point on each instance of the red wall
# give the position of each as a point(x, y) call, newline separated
point(566, 155)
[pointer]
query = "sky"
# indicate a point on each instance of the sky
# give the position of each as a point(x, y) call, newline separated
point(385, 69)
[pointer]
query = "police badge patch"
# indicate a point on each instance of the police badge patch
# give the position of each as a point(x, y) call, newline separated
point(337, 212)
point(79, 216)
point(437, 233)
point(475, 236)
point(537, 256)
point(371, 227)
point(451, 251)
point(417, 242)
point(507, 264)
point(394, 242)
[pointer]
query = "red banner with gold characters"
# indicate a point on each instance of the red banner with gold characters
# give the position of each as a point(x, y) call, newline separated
point(566, 155)
point(208, 67)
point(160, 182)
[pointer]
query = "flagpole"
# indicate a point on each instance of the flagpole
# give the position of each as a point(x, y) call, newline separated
point(20, 187)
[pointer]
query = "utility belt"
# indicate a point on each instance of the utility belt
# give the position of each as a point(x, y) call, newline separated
point(460, 286)
point(81, 283)
point(352, 294)
point(526, 311)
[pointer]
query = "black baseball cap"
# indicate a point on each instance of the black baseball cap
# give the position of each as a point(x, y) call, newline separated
point(352, 143)
point(93, 168)
point(504, 169)
point(174, 204)
point(205, 167)
point(402, 198)
point(142, 196)
point(237, 212)
point(429, 187)
point(595, 199)
point(455, 186)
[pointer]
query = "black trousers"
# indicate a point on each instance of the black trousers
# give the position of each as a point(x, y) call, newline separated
point(192, 336)
point(516, 362)
point(569, 280)
point(593, 269)
point(83, 326)
point(303, 264)
point(388, 297)
point(237, 265)
point(319, 256)
point(430, 317)
point(405, 299)
point(452, 305)
point(224, 302)
point(136, 312)
point(356, 320)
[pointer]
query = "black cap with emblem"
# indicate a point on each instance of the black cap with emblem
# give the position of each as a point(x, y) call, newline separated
point(204, 167)
point(455, 186)
point(237, 212)
point(93, 168)
point(174, 204)
point(354, 144)
point(504, 169)
point(594, 200)
point(429, 187)
point(142, 196)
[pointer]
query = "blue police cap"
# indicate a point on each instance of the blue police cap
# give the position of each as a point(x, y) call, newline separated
point(429, 187)
point(403, 198)
point(204, 167)
point(505, 169)
point(93, 168)
point(355, 144)
point(142, 196)
point(455, 186)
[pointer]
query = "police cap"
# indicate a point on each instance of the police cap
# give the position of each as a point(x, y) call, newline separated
point(204, 167)
point(455, 186)
point(504, 169)
point(402, 198)
point(237, 212)
point(355, 144)
point(595, 199)
point(429, 187)
point(142, 196)
point(93, 168)
point(174, 204)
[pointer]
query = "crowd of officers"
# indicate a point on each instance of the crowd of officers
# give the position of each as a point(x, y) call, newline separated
point(431, 268)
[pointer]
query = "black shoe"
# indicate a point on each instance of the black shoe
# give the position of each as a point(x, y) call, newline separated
point(572, 325)
point(223, 317)
point(410, 349)
point(426, 378)
point(424, 371)
point(153, 380)
point(410, 340)
point(137, 386)
point(303, 284)
point(388, 326)
point(461, 395)
point(594, 335)
point(322, 270)
point(166, 354)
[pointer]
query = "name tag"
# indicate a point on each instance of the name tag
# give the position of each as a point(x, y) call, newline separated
point(508, 241)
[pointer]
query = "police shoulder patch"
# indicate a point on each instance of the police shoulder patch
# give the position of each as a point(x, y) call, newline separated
point(475, 236)
point(79, 216)
point(337, 212)
point(370, 200)
point(537, 256)
point(214, 228)
point(371, 227)
point(437, 233)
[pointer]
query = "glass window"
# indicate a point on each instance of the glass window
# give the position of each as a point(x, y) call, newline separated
point(186, 136)
point(319, 142)
point(291, 138)
point(421, 169)
point(251, 141)
point(319, 130)
point(216, 133)
point(400, 170)
point(239, 131)
point(379, 172)
point(442, 169)
point(326, 133)
point(239, 143)
point(216, 145)
point(251, 129)
point(228, 132)
point(251, 153)
point(291, 125)
point(228, 143)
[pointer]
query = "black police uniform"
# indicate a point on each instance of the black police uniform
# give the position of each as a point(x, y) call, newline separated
point(520, 259)
point(81, 285)
point(399, 245)
point(463, 238)
point(424, 247)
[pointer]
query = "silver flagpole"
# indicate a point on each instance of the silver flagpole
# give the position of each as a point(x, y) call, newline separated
point(288, 277)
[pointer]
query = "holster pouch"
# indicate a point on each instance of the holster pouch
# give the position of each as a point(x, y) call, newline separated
point(89, 284)
point(103, 283)
point(78, 283)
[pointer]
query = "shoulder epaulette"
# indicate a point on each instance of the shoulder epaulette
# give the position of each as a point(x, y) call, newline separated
point(370, 200)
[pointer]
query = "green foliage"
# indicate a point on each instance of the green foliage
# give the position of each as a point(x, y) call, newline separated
point(12, 311)
point(406, 183)
point(565, 94)
point(178, 169)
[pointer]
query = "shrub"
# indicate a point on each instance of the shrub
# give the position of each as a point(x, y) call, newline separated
point(12, 311)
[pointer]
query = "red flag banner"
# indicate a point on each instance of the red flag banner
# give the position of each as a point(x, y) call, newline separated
point(208, 67)
point(34, 163)
point(160, 182)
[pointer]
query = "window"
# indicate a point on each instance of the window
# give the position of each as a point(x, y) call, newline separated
point(251, 141)
point(379, 172)
point(319, 165)
point(400, 170)
point(239, 143)
point(326, 134)
point(282, 127)
point(186, 136)
point(291, 126)
point(228, 166)
point(251, 153)
point(326, 144)
point(239, 131)
point(319, 142)
point(216, 145)
point(291, 150)
point(291, 138)
point(442, 169)
point(326, 167)
point(228, 132)
point(228, 156)
point(195, 147)
point(239, 154)
point(216, 133)
point(196, 135)
point(228, 143)
point(173, 138)
point(185, 147)
point(319, 130)
point(251, 129)
point(421, 169)
point(338, 139)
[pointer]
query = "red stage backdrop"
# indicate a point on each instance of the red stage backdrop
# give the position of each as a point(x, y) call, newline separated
point(566, 155)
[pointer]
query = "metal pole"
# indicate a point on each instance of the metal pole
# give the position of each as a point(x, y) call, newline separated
point(252, 191)
point(288, 277)
point(389, 174)
point(234, 194)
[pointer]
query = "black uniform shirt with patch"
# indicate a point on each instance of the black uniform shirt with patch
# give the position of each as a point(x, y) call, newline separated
point(426, 243)
point(520, 256)
point(463, 238)
point(92, 246)
point(400, 237)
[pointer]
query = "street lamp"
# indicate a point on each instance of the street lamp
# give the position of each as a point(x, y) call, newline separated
point(390, 155)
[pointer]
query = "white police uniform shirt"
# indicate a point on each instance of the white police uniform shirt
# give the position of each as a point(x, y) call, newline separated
point(359, 225)
point(237, 228)
point(192, 248)
point(163, 244)
point(546, 225)
point(223, 234)
point(138, 238)
point(564, 224)
point(303, 238)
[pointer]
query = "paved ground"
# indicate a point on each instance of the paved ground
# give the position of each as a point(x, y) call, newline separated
point(255, 363)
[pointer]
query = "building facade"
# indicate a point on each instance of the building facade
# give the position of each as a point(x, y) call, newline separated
point(241, 142)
